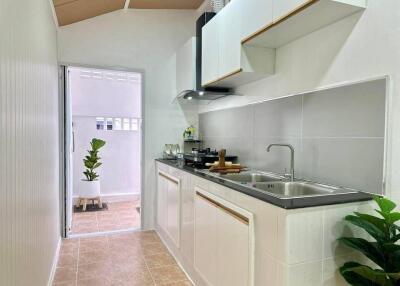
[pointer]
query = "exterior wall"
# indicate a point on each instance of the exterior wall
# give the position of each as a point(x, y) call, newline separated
point(29, 139)
point(93, 97)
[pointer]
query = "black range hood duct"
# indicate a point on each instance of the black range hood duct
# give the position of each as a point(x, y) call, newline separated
point(203, 93)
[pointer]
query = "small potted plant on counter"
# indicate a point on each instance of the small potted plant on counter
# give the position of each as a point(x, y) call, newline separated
point(90, 186)
point(189, 133)
point(384, 251)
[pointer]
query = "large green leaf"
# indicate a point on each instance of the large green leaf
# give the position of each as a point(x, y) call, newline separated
point(369, 249)
point(392, 255)
point(369, 227)
point(354, 278)
point(376, 276)
point(384, 204)
point(97, 143)
point(378, 222)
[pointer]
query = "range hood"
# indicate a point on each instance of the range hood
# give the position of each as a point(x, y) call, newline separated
point(203, 93)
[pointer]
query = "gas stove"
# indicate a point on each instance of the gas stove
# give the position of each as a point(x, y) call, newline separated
point(198, 158)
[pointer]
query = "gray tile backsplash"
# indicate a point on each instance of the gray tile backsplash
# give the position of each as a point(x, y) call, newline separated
point(338, 134)
point(352, 111)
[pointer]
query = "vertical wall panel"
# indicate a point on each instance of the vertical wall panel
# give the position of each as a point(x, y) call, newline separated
point(29, 212)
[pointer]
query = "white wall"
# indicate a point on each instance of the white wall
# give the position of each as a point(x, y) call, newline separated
point(138, 39)
point(362, 46)
point(103, 95)
point(29, 164)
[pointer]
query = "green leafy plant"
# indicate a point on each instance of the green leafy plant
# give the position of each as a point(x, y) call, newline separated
point(189, 132)
point(91, 161)
point(384, 251)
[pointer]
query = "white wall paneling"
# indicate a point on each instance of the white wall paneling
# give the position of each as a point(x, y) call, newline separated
point(29, 164)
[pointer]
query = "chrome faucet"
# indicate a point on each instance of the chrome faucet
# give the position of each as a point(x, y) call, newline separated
point(291, 175)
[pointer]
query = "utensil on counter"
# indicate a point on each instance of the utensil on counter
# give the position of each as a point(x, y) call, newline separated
point(223, 167)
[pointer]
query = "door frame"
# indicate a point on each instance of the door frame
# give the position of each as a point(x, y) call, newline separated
point(62, 67)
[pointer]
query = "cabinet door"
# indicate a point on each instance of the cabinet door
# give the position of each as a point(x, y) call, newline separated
point(205, 259)
point(162, 186)
point(173, 211)
point(282, 8)
point(233, 250)
point(256, 14)
point(187, 227)
point(230, 37)
point(210, 51)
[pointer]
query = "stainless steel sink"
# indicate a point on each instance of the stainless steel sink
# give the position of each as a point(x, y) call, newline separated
point(299, 189)
point(252, 177)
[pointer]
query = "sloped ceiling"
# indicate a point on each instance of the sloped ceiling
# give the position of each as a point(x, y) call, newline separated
point(72, 11)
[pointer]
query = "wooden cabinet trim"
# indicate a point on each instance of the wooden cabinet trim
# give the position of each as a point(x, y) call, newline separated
point(223, 77)
point(168, 178)
point(280, 20)
point(227, 210)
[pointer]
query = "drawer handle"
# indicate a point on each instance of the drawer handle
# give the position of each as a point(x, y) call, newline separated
point(168, 178)
point(227, 210)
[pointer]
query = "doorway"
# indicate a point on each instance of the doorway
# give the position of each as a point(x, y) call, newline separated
point(103, 106)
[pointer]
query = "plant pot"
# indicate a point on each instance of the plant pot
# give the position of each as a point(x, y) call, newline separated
point(89, 189)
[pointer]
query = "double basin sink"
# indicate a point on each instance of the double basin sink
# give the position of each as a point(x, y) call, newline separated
point(281, 186)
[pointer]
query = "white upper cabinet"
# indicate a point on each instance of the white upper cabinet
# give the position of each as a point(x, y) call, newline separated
point(210, 51)
point(229, 38)
point(186, 66)
point(285, 7)
point(293, 19)
point(226, 63)
point(256, 14)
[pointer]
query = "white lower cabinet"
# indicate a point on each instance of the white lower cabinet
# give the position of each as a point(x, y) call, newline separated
point(168, 206)
point(173, 211)
point(222, 242)
point(162, 187)
point(232, 250)
point(205, 241)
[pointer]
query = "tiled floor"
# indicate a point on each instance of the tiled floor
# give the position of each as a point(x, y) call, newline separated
point(134, 259)
point(119, 216)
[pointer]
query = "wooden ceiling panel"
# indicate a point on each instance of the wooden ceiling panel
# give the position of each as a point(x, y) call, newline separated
point(72, 11)
point(165, 4)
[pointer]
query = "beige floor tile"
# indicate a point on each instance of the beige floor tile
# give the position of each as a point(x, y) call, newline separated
point(159, 260)
point(67, 283)
point(68, 259)
point(154, 248)
point(69, 246)
point(65, 274)
point(119, 216)
point(94, 256)
point(179, 283)
point(138, 279)
point(98, 270)
point(102, 281)
point(94, 245)
point(167, 274)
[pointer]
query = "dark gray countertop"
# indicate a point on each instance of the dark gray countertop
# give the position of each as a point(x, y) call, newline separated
point(286, 203)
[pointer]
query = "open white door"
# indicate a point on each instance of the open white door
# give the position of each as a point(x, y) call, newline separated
point(69, 147)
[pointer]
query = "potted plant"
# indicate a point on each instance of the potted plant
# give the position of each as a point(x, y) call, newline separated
point(90, 186)
point(189, 133)
point(384, 251)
